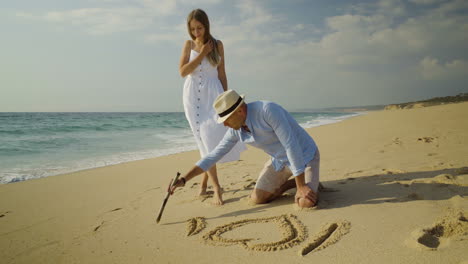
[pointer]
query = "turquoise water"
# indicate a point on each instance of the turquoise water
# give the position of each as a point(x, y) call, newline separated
point(34, 145)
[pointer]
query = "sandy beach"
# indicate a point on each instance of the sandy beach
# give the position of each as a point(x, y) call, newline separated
point(396, 186)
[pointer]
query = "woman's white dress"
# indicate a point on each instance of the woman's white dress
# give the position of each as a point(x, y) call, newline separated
point(201, 88)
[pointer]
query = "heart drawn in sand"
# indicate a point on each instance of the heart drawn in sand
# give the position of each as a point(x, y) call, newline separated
point(293, 233)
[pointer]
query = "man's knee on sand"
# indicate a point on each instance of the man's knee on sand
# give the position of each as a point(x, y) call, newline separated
point(260, 197)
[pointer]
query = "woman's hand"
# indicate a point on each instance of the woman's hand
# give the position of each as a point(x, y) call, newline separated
point(207, 47)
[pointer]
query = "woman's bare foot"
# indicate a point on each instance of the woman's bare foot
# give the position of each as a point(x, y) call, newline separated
point(202, 191)
point(203, 186)
point(217, 197)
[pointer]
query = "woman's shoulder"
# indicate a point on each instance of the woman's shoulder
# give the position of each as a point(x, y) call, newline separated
point(188, 43)
point(219, 43)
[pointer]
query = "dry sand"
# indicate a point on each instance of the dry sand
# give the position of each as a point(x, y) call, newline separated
point(396, 186)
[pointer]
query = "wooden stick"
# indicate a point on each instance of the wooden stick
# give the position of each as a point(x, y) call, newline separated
point(167, 197)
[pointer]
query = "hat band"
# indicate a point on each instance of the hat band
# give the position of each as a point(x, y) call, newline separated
point(234, 106)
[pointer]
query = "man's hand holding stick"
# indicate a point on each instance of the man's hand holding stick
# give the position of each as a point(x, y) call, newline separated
point(170, 190)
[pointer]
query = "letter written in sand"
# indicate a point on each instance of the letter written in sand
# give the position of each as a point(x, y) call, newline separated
point(329, 235)
point(195, 225)
point(293, 233)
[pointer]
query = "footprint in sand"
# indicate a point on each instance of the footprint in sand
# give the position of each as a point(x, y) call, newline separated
point(452, 227)
point(395, 141)
point(292, 230)
point(195, 225)
point(208, 195)
point(4, 214)
point(322, 188)
point(99, 226)
point(353, 172)
point(426, 139)
point(393, 171)
point(329, 235)
point(249, 185)
point(442, 179)
point(463, 170)
point(109, 218)
point(413, 196)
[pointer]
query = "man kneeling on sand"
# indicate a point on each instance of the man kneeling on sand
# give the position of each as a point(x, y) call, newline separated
point(270, 127)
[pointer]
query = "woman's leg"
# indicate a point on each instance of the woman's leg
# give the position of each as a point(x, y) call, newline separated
point(218, 193)
point(203, 184)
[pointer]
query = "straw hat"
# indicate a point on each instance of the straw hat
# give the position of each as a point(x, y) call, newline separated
point(226, 104)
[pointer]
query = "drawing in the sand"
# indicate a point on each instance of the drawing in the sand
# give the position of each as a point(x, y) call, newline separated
point(293, 232)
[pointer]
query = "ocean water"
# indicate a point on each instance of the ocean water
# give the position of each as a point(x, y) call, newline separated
point(35, 145)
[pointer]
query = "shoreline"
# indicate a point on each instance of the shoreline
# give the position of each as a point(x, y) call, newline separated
point(392, 179)
point(352, 115)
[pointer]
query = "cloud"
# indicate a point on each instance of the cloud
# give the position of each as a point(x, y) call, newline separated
point(392, 7)
point(357, 48)
point(127, 16)
point(102, 20)
point(431, 69)
point(174, 36)
point(253, 15)
point(97, 21)
point(160, 7)
point(369, 40)
point(362, 51)
point(450, 7)
point(425, 2)
point(349, 22)
point(201, 2)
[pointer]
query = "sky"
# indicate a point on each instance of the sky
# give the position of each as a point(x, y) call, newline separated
point(123, 55)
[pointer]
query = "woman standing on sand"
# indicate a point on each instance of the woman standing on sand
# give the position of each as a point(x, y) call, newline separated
point(202, 62)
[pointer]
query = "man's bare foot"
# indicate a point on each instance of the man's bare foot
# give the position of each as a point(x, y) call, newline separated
point(218, 197)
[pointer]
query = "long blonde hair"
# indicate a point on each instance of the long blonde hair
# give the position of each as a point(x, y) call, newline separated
point(200, 15)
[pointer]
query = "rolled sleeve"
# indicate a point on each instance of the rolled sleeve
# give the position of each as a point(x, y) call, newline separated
point(225, 145)
point(277, 118)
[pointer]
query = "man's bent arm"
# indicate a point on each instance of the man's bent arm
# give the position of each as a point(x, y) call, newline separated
point(300, 180)
point(225, 145)
point(276, 117)
point(195, 171)
point(205, 164)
